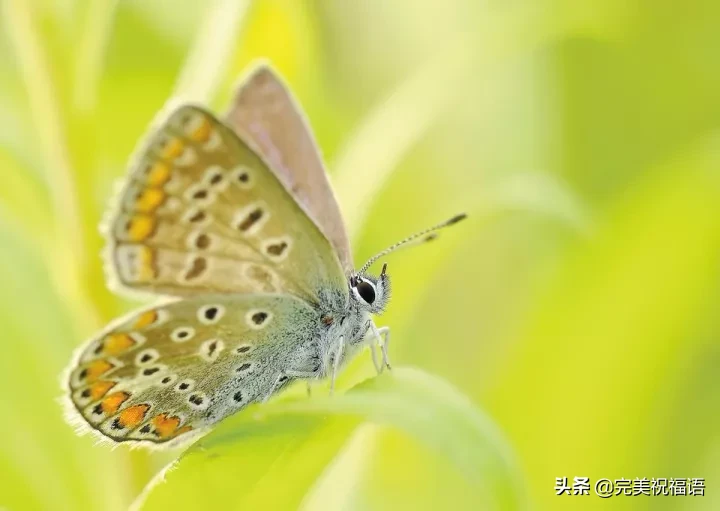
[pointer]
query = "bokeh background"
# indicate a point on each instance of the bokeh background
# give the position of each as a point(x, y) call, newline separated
point(577, 308)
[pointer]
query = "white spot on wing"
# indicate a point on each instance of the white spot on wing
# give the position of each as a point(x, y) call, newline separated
point(214, 142)
point(138, 338)
point(129, 262)
point(162, 317)
point(182, 334)
point(170, 205)
point(200, 194)
point(152, 371)
point(168, 380)
point(79, 398)
point(191, 242)
point(210, 349)
point(244, 369)
point(198, 400)
point(185, 385)
point(257, 319)
point(196, 269)
point(244, 213)
point(277, 249)
point(175, 185)
point(187, 157)
point(261, 277)
point(242, 176)
point(210, 314)
point(192, 215)
point(146, 357)
point(238, 397)
point(216, 177)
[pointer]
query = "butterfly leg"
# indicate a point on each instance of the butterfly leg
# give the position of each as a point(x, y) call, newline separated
point(267, 396)
point(308, 376)
point(384, 334)
point(278, 382)
point(336, 362)
point(373, 355)
point(373, 343)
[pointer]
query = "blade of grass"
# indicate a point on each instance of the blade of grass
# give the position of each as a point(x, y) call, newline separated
point(70, 254)
point(209, 57)
point(90, 54)
point(46, 116)
point(23, 188)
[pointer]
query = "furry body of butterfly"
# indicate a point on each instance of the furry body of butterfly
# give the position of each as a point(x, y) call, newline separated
point(238, 223)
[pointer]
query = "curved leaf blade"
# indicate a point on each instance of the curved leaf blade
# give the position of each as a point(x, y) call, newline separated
point(272, 455)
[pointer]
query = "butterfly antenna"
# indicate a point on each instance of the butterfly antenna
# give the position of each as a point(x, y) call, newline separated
point(416, 239)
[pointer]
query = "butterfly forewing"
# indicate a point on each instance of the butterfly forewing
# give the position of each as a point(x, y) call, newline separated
point(172, 370)
point(202, 213)
point(265, 113)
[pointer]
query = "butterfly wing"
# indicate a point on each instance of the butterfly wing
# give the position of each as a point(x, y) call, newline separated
point(265, 114)
point(202, 213)
point(170, 371)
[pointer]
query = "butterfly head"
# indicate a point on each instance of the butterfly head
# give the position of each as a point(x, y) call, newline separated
point(371, 293)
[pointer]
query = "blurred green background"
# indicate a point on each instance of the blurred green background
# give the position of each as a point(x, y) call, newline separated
point(577, 307)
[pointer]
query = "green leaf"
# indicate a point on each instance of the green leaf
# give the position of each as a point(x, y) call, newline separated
point(271, 456)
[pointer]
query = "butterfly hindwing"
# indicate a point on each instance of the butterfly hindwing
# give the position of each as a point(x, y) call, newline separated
point(170, 371)
point(202, 213)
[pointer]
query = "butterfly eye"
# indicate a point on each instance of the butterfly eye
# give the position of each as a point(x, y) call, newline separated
point(366, 291)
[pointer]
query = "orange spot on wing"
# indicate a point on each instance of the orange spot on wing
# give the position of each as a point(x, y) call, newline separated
point(149, 199)
point(182, 430)
point(112, 402)
point(114, 344)
point(165, 425)
point(172, 149)
point(202, 132)
point(100, 388)
point(145, 319)
point(94, 370)
point(158, 174)
point(133, 415)
point(140, 227)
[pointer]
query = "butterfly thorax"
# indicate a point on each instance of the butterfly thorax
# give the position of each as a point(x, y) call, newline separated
point(347, 327)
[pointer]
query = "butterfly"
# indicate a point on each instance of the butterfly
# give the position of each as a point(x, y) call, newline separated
point(235, 222)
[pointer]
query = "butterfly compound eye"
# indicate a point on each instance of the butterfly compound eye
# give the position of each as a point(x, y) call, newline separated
point(366, 292)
